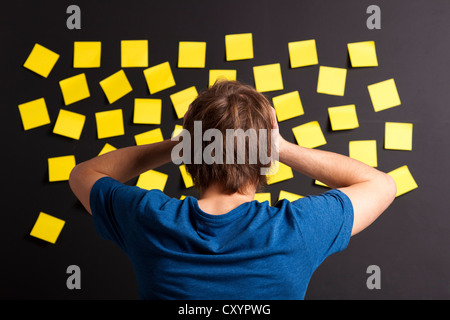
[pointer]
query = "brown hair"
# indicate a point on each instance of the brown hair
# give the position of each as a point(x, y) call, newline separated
point(230, 105)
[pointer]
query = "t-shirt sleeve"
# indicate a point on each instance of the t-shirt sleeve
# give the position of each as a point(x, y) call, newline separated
point(116, 208)
point(325, 222)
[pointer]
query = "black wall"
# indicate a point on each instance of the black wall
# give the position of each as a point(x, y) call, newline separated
point(410, 242)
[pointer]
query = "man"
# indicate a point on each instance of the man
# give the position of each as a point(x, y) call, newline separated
point(225, 245)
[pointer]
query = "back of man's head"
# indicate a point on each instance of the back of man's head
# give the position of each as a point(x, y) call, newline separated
point(239, 112)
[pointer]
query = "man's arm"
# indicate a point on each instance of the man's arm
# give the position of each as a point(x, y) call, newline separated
point(122, 165)
point(370, 190)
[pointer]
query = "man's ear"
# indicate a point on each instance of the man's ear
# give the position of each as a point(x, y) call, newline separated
point(274, 119)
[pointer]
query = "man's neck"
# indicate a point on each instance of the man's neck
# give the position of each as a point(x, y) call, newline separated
point(214, 201)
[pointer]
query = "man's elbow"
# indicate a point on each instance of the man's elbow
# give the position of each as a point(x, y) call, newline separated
point(390, 187)
point(75, 177)
point(80, 183)
point(74, 172)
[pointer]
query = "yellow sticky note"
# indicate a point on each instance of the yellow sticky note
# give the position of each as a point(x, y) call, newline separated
point(343, 117)
point(182, 99)
point(320, 183)
point(116, 86)
point(34, 114)
point(288, 196)
point(87, 54)
point(363, 54)
point(177, 130)
point(134, 53)
point(47, 227)
point(268, 77)
point(191, 54)
point(239, 46)
point(262, 196)
point(74, 89)
point(221, 74)
point(309, 135)
point(59, 168)
point(303, 53)
point(186, 176)
point(288, 106)
point(107, 148)
point(403, 179)
point(384, 95)
point(41, 60)
point(147, 111)
point(152, 179)
point(159, 77)
point(69, 124)
point(364, 151)
point(398, 136)
point(182, 197)
point(109, 123)
point(279, 172)
point(331, 80)
point(148, 137)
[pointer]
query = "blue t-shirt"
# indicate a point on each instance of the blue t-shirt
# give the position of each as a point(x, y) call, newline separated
point(255, 251)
